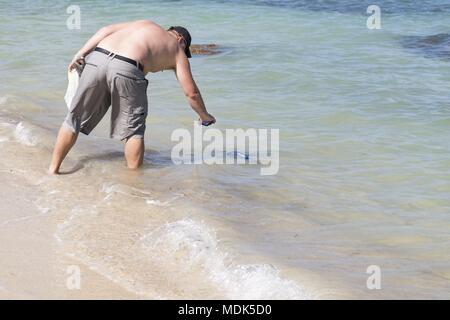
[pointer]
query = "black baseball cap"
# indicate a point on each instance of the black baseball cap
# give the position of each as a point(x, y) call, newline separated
point(187, 37)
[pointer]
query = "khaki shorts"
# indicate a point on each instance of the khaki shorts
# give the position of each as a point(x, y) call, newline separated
point(105, 82)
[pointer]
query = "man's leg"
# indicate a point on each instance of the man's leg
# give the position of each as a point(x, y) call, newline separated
point(134, 152)
point(65, 141)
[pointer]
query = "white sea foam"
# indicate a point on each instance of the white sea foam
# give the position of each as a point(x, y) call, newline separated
point(111, 188)
point(167, 203)
point(42, 209)
point(196, 246)
point(25, 135)
point(4, 99)
point(25, 218)
point(157, 203)
point(66, 224)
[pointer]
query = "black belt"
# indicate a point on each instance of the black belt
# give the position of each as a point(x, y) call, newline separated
point(117, 56)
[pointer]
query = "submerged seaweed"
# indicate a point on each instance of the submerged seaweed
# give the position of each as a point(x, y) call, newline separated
point(433, 46)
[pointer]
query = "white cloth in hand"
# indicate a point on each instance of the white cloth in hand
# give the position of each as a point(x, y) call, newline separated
point(74, 78)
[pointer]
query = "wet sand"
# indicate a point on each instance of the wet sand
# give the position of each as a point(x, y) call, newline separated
point(31, 266)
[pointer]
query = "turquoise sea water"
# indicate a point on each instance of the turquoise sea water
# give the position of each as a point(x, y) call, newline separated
point(364, 119)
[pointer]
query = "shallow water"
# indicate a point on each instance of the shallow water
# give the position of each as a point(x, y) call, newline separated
point(364, 119)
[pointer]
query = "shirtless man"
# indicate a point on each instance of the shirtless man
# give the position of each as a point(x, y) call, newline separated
point(116, 60)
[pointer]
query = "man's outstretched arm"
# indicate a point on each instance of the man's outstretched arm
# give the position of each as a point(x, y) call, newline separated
point(95, 40)
point(190, 89)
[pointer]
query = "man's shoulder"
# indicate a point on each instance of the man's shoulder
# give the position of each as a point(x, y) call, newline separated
point(146, 22)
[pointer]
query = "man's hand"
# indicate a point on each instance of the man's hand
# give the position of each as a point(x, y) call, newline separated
point(207, 120)
point(76, 61)
point(94, 41)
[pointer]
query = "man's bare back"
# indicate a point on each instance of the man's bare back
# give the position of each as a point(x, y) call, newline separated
point(146, 42)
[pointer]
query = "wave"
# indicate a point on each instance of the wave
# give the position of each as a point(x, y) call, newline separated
point(25, 135)
point(16, 127)
point(188, 244)
point(181, 259)
point(112, 189)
